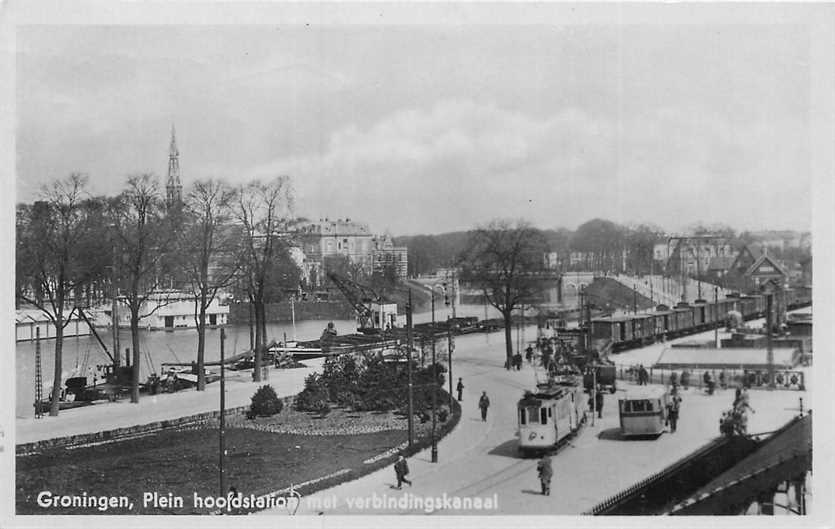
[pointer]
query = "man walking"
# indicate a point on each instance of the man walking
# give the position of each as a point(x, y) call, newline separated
point(672, 411)
point(484, 403)
point(401, 470)
point(460, 388)
point(545, 472)
point(598, 401)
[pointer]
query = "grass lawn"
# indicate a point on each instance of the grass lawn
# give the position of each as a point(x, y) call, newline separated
point(186, 462)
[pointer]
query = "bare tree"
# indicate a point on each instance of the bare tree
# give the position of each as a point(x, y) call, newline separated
point(503, 259)
point(210, 252)
point(264, 210)
point(57, 255)
point(144, 235)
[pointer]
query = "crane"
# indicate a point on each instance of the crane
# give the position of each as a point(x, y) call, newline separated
point(359, 296)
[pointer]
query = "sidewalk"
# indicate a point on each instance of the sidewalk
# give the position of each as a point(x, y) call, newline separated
point(167, 406)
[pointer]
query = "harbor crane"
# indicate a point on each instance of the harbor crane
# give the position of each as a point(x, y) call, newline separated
point(360, 297)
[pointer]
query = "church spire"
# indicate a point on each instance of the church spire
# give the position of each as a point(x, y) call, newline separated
point(174, 188)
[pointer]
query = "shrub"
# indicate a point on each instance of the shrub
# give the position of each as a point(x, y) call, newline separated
point(314, 396)
point(265, 402)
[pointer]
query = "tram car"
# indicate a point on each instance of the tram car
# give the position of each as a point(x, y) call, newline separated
point(550, 414)
point(634, 330)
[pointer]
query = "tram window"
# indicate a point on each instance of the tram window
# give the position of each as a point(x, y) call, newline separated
point(543, 417)
point(550, 412)
point(522, 416)
point(532, 415)
point(649, 405)
point(638, 405)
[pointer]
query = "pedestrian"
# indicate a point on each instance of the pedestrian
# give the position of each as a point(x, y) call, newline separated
point(685, 379)
point(598, 401)
point(709, 384)
point(545, 472)
point(460, 388)
point(517, 361)
point(529, 354)
point(722, 379)
point(484, 403)
point(401, 470)
point(643, 375)
point(674, 380)
point(673, 412)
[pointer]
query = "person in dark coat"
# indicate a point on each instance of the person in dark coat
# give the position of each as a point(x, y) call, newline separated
point(545, 472)
point(484, 403)
point(401, 470)
point(598, 401)
point(517, 361)
point(672, 412)
point(460, 388)
point(529, 354)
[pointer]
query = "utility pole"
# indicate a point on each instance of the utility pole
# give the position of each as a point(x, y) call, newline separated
point(38, 376)
point(450, 348)
point(634, 298)
point(716, 328)
point(434, 386)
point(770, 348)
point(409, 345)
point(222, 441)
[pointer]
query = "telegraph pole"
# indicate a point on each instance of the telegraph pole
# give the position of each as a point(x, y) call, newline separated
point(434, 386)
point(222, 441)
point(770, 348)
point(716, 328)
point(409, 345)
point(450, 348)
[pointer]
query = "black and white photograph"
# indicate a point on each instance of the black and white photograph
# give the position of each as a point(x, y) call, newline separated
point(463, 260)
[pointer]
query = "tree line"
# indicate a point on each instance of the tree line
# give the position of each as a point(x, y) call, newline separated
point(74, 248)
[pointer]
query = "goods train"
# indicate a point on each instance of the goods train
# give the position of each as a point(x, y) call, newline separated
point(550, 414)
point(634, 330)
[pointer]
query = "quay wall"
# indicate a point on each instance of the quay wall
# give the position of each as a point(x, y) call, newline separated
point(304, 310)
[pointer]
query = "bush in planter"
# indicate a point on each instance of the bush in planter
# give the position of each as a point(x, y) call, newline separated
point(265, 402)
point(443, 413)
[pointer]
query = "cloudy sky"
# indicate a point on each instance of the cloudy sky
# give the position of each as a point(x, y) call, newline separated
point(431, 128)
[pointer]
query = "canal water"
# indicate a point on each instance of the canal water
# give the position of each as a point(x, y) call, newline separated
point(157, 347)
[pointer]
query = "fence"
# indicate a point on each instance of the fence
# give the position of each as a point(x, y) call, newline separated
point(748, 378)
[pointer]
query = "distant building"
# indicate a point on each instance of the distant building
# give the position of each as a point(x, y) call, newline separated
point(388, 256)
point(29, 321)
point(353, 240)
point(693, 256)
point(173, 309)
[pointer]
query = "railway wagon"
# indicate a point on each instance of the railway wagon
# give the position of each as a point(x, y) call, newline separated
point(684, 319)
point(550, 414)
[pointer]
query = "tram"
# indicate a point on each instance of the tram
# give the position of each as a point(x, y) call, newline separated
point(550, 414)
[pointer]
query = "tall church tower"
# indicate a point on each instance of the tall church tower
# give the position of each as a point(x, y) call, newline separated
point(174, 188)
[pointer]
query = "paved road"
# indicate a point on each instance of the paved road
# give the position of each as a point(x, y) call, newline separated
point(480, 460)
